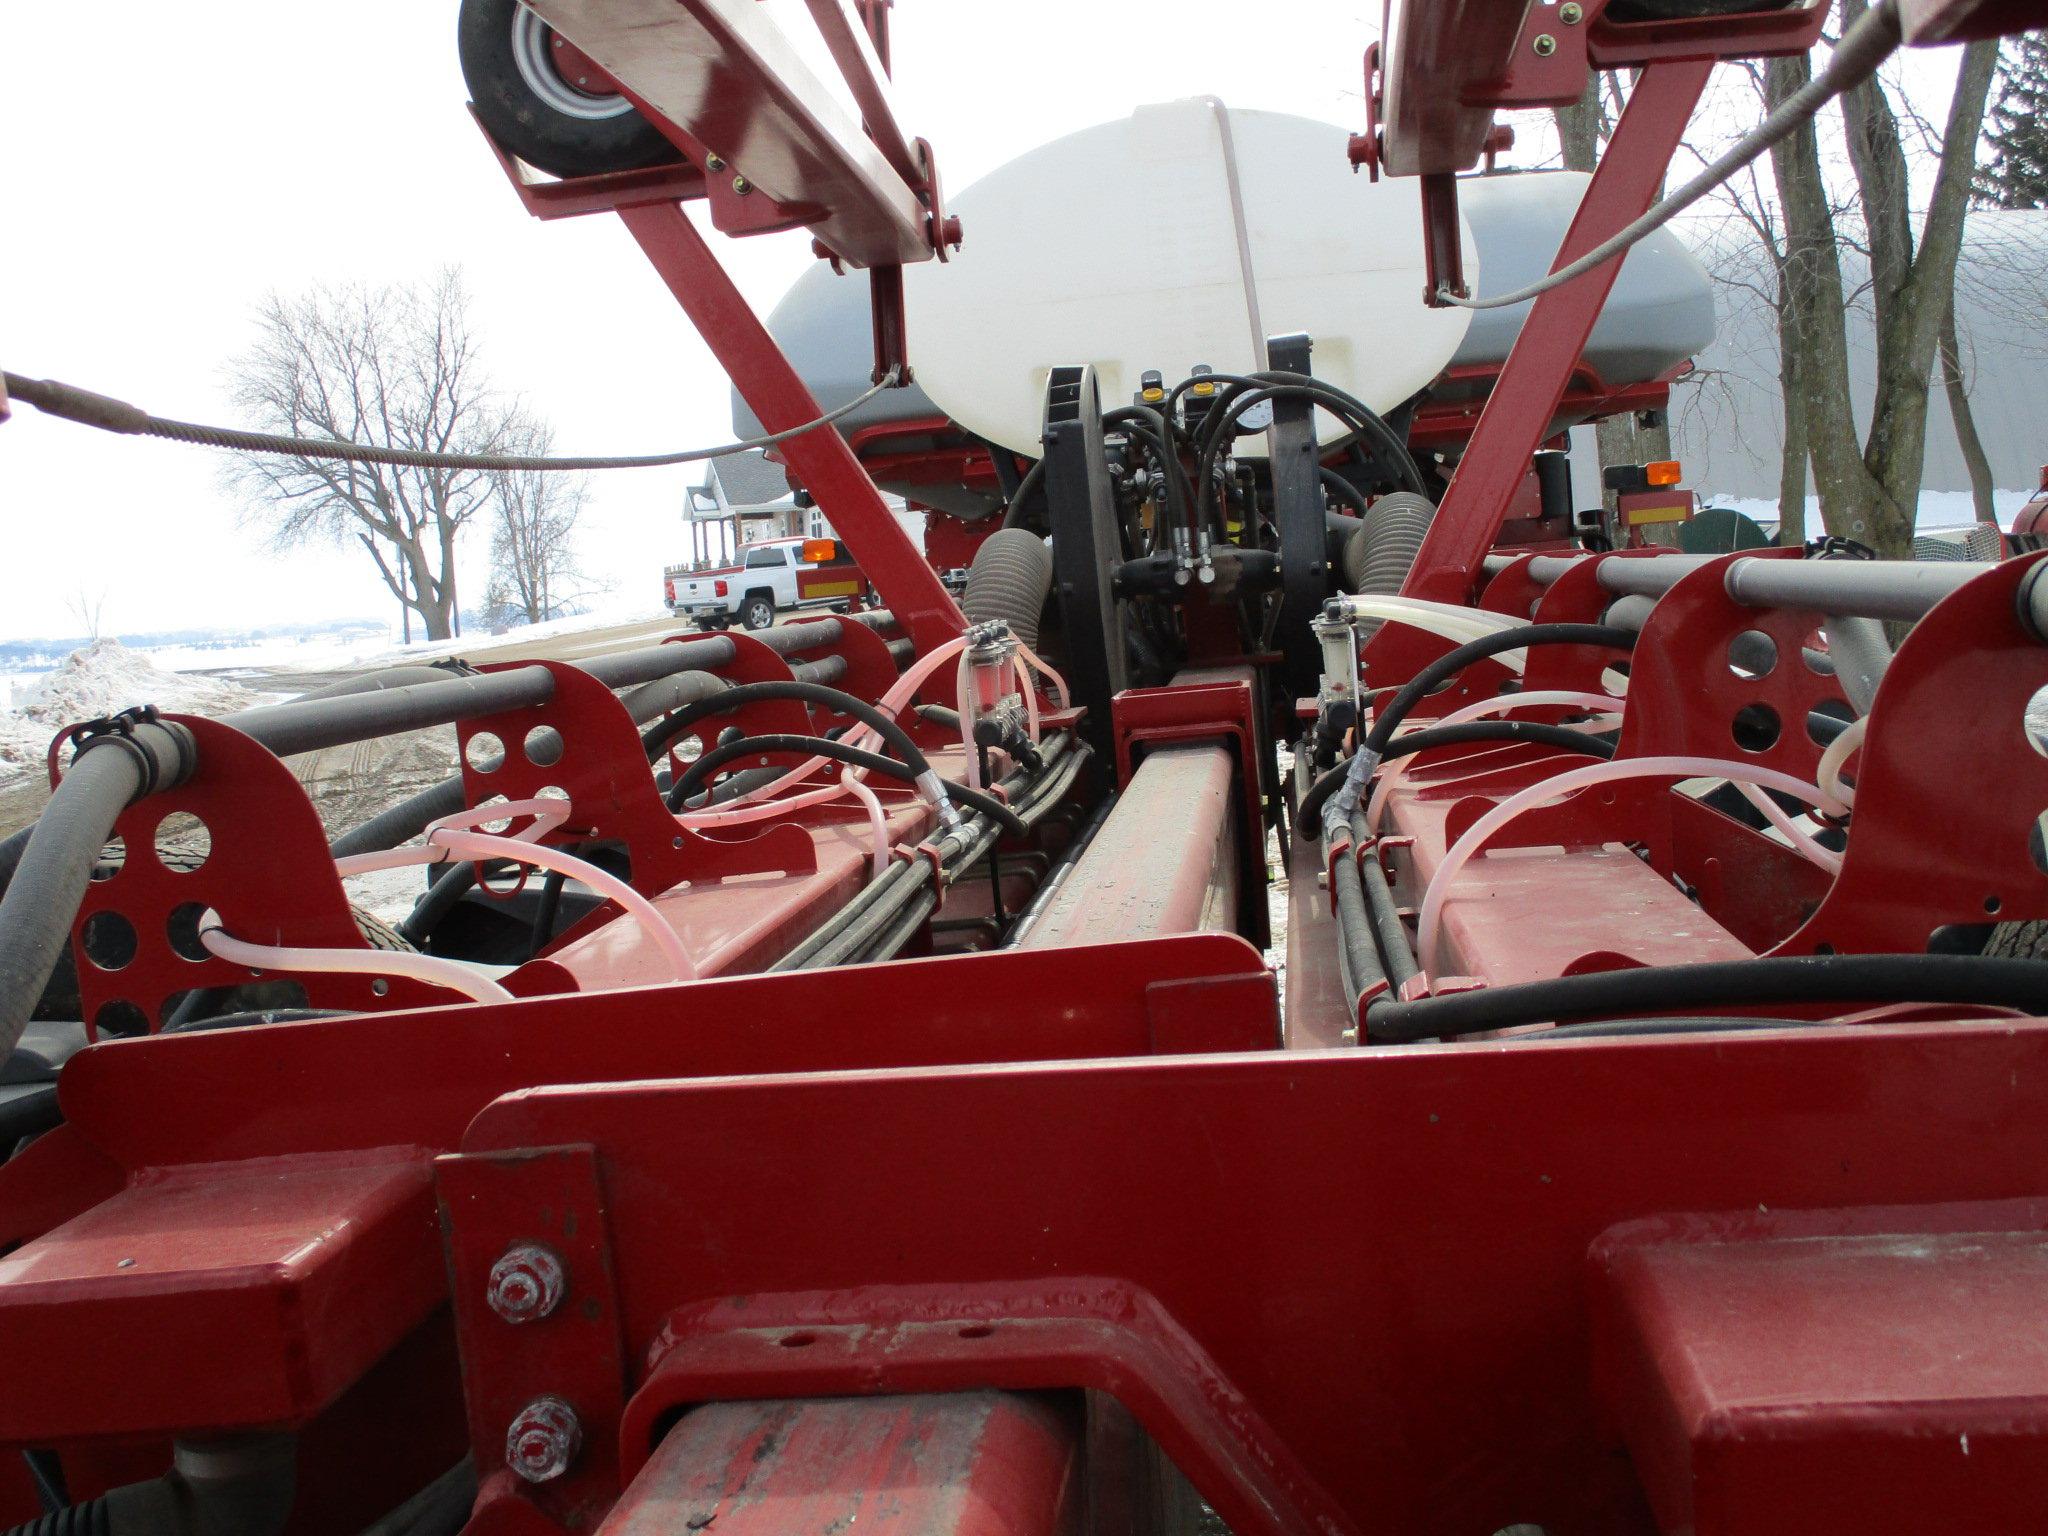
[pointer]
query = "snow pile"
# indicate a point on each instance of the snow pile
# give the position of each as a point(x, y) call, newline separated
point(99, 680)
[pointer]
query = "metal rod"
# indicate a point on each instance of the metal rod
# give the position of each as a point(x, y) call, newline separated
point(1876, 589)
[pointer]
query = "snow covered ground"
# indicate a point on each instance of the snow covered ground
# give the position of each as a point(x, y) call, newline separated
point(104, 677)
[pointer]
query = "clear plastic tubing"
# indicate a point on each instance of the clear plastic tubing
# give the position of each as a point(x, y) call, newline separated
point(1393, 772)
point(434, 970)
point(1836, 757)
point(1802, 841)
point(484, 845)
point(751, 807)
point(1458, 625)
point(1460, 852)
point(444, 839)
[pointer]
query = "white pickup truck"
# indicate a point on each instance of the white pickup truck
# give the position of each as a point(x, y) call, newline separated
point(775, 576)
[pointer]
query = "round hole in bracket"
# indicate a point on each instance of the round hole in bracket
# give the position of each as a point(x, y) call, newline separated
point(498, 825)
point(181, 928)
point(1817, 661)
point(2035, 720)
point(108, 940)
point(1829, 709)
point(543, 746)
point(1756, 728)
point(690, 748)
point(113, 858)
point(2037, 842)
point(484, 753)
point(1752, 654)
point(379, 987)
point(183, 842)
point(120, 1019)
point(552, 792)
point(1991, 906)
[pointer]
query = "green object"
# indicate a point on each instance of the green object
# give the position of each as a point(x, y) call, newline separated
point(1721, 531)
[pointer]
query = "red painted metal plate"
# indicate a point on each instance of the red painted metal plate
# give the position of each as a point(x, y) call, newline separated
point(1831, 1373)
point(1343, 1289)
point(216, 1297)
point(417, 1078)
point(965, 1464)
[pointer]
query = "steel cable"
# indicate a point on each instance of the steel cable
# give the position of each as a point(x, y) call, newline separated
point(110, 415)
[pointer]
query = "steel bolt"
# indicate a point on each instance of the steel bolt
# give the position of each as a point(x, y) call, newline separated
point(741, 185)
point(526, 1283)
point(714, 163)
point(1571, 13)
point(543, 1440)
point(1545, 45)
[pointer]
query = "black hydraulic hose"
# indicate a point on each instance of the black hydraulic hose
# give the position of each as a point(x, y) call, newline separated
point(378, 682)
point(1017, 513)
point(915, 904)
point(1451, 663)
point(853, 931)
point(892, 734)
point(1397, 959)
point(824, 746)
point(547, 910)
point(449, 887)
point(308, 725)
point(1155, 429)
point(1719, 983)
point(1343, 489)
point(1309, 817)
point(393, 825)
point(57, 864)
point(1358, 949)
point(1252, 389)
point(1670, 1024)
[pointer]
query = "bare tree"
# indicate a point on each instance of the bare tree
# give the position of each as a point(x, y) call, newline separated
point(532, 539)
point(1869, 490)
point(86, 605)
point(394, 366)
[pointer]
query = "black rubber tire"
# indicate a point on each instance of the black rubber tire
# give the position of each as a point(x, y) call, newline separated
point(526, 125)
point(1681, 10)
point(2018, 941)
point(758, 612)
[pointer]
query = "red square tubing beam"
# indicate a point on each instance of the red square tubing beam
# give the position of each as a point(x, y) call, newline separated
point(821, 459)
point(1524, 399)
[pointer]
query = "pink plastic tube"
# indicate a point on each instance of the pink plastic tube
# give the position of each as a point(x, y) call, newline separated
point(876, 825)
point(443, 840)
point(1460, 852)
point(748, 807)
point(1801, 842)
point(1393, 773)
point(547, 814)
point(484, 845)
point(434, 970)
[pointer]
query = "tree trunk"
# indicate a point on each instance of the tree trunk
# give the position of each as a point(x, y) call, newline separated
point(1792, 458)
point(1911, 315)
point(1965, 420)
point(1849, 494)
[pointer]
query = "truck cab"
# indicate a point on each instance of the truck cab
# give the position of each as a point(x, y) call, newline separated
point(772, 577)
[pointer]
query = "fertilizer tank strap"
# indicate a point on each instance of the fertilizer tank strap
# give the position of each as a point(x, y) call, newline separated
point(110, 415)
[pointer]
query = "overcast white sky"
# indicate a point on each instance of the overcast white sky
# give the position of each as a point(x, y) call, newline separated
point(208, 154)
point(170, 164)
